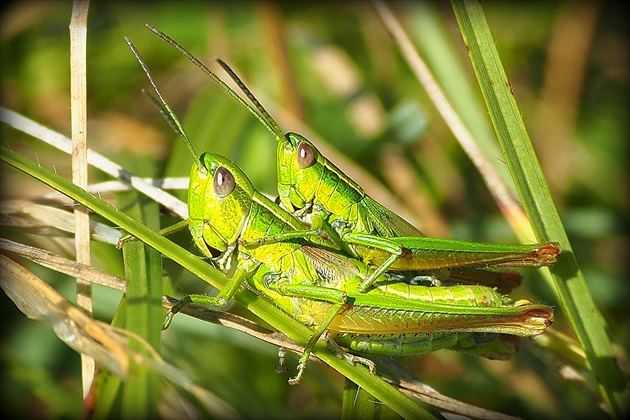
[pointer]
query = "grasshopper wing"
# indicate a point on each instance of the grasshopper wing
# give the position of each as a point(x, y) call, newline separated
point(387, 223)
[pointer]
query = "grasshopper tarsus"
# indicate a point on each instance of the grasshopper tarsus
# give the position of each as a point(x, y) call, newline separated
point(354, 359)
point(281, 368)
point(548, 252)
point(122, 241)
point(300, 371)
point(167, 320)
point(350, 358)
point(218, 303)
point(186, 300)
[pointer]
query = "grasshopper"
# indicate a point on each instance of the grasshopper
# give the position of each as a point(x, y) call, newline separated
point(319, 285)
point(309, 184)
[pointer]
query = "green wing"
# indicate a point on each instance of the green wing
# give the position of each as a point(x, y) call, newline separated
point(387, 223)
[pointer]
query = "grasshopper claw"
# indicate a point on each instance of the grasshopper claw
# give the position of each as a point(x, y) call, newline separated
point(300, 372)
point(123, 240)
point(352, 359)
point(175, 309)
point(281, 368)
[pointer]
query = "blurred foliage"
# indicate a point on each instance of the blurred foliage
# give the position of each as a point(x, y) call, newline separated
point(333, 66)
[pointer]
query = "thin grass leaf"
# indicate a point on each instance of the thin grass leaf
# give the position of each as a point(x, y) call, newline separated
point(573, 294)
point(359, 404)
point(63, 265)
point(78, 106)
point(583, 100)
point(143, 270)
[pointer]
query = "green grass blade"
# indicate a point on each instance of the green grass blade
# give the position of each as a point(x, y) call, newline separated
point(571, 289)
point(143, 271)
point(140, 392)
point(405, 406)
point(430, 34)
point(358, 404)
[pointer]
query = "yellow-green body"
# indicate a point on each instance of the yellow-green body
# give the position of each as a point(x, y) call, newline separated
point(229, 224)
point(310, 184)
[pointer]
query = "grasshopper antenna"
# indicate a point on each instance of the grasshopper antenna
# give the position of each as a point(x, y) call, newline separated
point(258, 110)
point(164, 107)
point(275, 128)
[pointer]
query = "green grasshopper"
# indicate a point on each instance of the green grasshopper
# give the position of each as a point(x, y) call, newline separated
point(310, 184)
point(319, 285)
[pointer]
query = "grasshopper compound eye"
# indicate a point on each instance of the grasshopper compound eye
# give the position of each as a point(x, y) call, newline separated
point(306, 155)
point(223, 182)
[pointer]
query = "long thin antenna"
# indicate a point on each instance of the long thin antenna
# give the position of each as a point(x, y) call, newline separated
point(164, 108)
point(259, 111)
point(250, 95)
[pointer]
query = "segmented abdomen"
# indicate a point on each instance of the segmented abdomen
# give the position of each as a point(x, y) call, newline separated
point(457, 295)
point(492, 346)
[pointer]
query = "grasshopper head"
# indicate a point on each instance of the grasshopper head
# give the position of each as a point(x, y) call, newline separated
point(219, 201)
point(300, 167)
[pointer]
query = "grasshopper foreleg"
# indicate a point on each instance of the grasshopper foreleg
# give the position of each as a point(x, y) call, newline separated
point(192, 300)
point(281, 237)
point(301, 213)
point(219, 302)
point(319, 219)
point(225, 260)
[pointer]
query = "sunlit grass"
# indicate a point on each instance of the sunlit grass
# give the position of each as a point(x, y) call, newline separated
point(590, 190)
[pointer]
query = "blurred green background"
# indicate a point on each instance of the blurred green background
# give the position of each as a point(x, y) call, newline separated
point(333, 67)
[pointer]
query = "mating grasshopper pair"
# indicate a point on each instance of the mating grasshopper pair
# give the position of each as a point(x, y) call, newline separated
point(350, 275)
